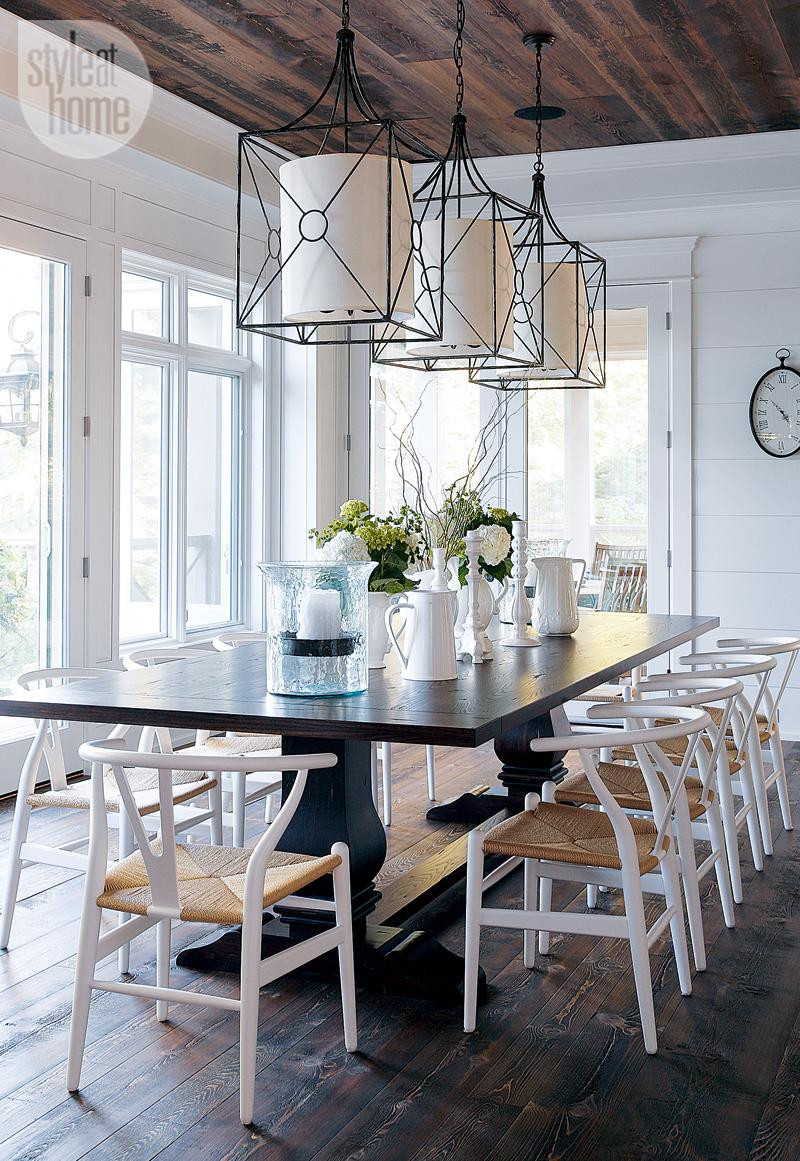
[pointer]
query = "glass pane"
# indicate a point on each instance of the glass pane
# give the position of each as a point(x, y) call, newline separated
point(442, 411)
point(210, 320)
point(211, 499)
point(33, 394)
point(143, 519)
point(619, 433)
point(143, 305)
point(545, 463)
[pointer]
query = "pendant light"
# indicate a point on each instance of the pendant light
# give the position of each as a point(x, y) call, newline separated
point(487, 241)
point(559, 329)
point(343, 254)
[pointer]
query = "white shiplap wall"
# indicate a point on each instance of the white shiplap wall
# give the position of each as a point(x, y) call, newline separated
point(741, 198)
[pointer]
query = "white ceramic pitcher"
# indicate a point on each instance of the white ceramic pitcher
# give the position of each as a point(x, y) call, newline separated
point(429, 653)
point(555, 607)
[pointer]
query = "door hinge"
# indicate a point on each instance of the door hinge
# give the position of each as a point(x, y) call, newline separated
point(668, 321)
point(669, 558)
point(87, 285)
point(347, 442)
point(87, 426)
point(669, 439)
point(85, 568)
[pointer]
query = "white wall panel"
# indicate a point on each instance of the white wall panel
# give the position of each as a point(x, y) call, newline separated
point(722, 431)
point(755, 262)
point(739, 318)
point(749, 543)
point(729, 374)
point(748, 488)
point(767, 601)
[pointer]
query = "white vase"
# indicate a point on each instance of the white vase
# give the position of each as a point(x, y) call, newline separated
point(377, 637)
point(440, 581)
point(555, 608)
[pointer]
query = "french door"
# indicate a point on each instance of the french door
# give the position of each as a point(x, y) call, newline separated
point(42, 467)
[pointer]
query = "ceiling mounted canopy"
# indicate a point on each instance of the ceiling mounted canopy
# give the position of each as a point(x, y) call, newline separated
point(488, 239)
point(559, 319)
point(343, 256)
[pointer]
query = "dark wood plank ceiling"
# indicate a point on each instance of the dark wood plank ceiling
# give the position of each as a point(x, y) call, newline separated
point(627, 71)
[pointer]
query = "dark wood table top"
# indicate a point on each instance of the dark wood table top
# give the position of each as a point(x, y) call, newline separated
point(226, 691)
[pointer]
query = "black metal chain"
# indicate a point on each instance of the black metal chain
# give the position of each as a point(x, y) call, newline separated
point(345, 13)
point(458, 54)
point(538, 167)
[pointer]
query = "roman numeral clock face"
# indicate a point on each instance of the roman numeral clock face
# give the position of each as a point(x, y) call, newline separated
point(775, 410)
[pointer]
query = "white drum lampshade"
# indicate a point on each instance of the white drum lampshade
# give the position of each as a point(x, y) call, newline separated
point(478, 288)
point(334, 210)
point(559, 316)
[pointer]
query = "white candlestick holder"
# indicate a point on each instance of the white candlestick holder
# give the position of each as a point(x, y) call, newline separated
point(522, 636)
point(474, 641)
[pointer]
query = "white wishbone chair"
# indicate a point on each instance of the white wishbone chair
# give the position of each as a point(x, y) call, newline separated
point(382, 752)
point(74, 795)
point(697, 811)
point(745, 727)
point(588, 846)
point(768, 723)
point(164, 882)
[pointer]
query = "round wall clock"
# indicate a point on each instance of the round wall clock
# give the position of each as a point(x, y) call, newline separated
point(775, 409)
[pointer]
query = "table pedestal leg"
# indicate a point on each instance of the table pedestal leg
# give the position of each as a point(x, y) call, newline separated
point(523, 771)
point(337, 806)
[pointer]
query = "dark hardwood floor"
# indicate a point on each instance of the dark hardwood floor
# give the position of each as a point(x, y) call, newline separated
point(556, 1069)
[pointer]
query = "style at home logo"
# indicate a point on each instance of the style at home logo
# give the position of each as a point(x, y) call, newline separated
point(84, 87)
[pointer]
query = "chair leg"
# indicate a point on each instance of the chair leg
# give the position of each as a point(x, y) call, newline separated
point(753, 831)
point(19, 833)
point(472, 937)
point(386, 776)
point(163, 950)
point(127, 844)
point(347, 970)
point(640, 957)
point(721, 869)
point(691, 886)
point(215, 803)
point(778, 763)
point(238, 787)
point(762, 802)
point(545, 904)
point(248, 1018)
point(530, 902)
point(727, 809)
point(672, 895)
point(431, 770)
point(82, 992)
point(591, 896)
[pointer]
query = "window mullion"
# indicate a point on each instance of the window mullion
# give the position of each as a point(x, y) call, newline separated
point(178, 501)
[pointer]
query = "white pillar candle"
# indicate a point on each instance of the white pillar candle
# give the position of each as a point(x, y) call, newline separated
point(320, 615)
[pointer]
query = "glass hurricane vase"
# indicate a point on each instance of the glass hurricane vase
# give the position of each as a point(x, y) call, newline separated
point(317, 627)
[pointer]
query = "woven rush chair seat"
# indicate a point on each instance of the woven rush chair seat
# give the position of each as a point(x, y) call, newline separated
point(211, 881)
point(238, 744)
point(764, 730)
point(603, 693)
point(677, 748)
point(568, 834)
point(628, 785)
point(186, 784)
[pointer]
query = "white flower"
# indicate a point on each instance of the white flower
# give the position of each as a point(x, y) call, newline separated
point(344, 547)
point(496, 543)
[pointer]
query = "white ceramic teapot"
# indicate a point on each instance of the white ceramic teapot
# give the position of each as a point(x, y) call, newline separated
point(555, 607)
point(430, 653)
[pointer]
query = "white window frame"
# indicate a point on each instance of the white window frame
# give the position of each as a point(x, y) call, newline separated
point(179, 358)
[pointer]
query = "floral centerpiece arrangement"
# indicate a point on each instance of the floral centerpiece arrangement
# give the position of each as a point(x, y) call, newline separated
point(391, 541)
point(494, 525)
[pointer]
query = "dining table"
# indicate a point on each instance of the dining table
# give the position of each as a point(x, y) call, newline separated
point(507, 701)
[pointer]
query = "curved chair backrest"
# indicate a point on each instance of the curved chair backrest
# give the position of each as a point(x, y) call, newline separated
point(743, 664)
point(685, 722)
point(773, 646)
point(230, 640)
point(161, 864)
point(145, 659)
point(47, 738)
